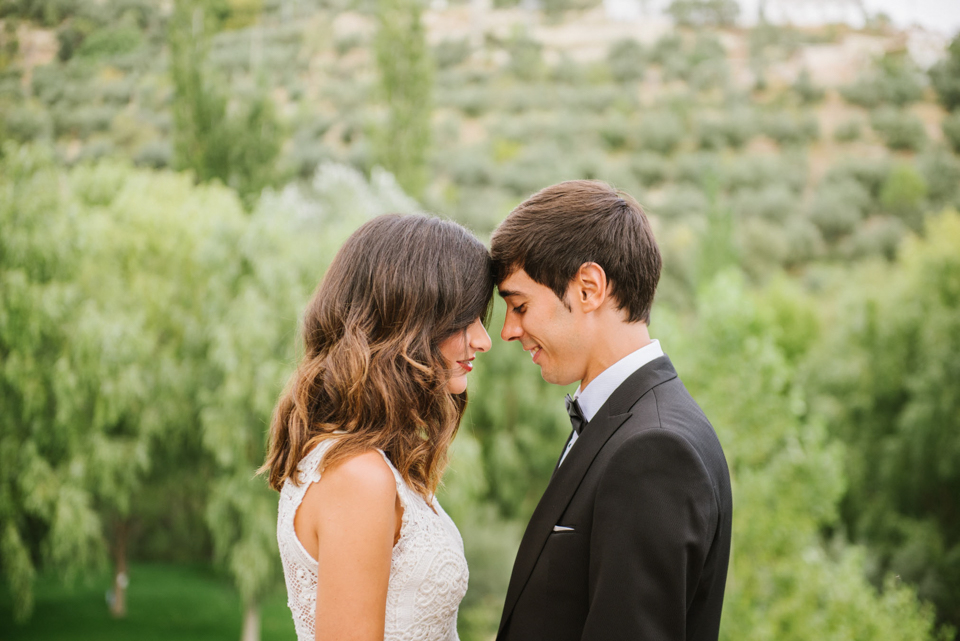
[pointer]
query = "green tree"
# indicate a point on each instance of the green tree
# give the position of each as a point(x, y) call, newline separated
point(951, 130)
point(903, 195)
point(124, 349)
point(886, 383)
point(254, 306)
point(945, 76)
point(627, 60)
point(739, 359)
point(717, 13)
point(237, 146)
point(406, 83)
point(42, 480)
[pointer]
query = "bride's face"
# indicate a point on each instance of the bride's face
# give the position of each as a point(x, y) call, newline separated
point(459, 351)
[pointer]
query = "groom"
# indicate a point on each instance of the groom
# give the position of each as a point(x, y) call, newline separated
point(631, 539)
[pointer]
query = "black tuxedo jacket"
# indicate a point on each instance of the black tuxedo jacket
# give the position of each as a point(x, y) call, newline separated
point(646, 492)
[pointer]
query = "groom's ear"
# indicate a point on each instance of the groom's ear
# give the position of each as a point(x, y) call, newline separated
point(589, 287)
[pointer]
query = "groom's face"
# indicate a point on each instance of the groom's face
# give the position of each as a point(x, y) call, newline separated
point(547, 328)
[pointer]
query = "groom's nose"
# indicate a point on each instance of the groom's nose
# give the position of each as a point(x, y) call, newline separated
point(511, 328)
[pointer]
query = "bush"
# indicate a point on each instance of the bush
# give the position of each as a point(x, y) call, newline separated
point(941, 171)
point(25, 123)
point(739, 126)
point(667, 47)
point(568, 71)
point(870, 173)
point(156, 154)
point(615, 132)
point(775, 203)
point(660, 132)
point(755, 171)
point(709, 74)
point(945, 76)
point(535, 166)
point(895, 80)
point(899, 130)
point(71, 35)
point(732, 129)
point(788, 130)
point(472, 101)
point(702, 169)
point(450, 53)
point(626, 59)
point(682, 201)
point(118, 92)
point(470, 166)
point(650, 169)
point(848, 130)
point(763, 246)
point(110, 42)
point(48, 83)
point(951, 130)
point(903, 195)
point(804, 241)
point(838, 207)
point(878, 236)
point(710, 134)
point(806, 90)
point(526, 60)
point(83, 121)
point(49, 13)
point(690, 13)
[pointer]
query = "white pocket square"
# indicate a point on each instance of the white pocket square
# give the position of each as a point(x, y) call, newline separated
point(562, 528)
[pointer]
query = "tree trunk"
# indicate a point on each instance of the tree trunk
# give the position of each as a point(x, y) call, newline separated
point(251, 622)
point(118, 605)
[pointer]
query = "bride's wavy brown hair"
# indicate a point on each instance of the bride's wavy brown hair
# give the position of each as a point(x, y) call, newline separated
point(372, 366)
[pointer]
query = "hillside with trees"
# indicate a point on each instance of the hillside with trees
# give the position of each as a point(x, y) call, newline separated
point(175, 177)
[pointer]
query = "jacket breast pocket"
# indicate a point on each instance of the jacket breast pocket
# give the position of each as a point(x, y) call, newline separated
point(567, 557)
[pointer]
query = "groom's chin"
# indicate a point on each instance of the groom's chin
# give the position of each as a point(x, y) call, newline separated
point(554, 378)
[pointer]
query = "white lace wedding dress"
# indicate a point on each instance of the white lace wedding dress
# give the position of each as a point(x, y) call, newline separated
point(428, 572)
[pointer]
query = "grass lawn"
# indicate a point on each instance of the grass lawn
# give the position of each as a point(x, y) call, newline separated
point(178, 602)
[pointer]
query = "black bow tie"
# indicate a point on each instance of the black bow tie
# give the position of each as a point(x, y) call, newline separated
point(576, 414)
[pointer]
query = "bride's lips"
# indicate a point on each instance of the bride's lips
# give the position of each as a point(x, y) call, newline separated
point(467, 365)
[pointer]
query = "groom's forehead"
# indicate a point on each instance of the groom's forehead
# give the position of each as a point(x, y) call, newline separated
point(516, 284)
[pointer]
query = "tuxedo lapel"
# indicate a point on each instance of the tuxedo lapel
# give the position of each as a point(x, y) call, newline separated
point(567, 477)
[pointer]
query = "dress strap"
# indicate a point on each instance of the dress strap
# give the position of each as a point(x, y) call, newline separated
point(401, 486)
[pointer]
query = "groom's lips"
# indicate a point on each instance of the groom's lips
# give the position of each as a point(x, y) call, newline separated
point(534, 352)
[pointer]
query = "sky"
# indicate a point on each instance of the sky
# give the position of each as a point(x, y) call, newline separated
point(935, 15)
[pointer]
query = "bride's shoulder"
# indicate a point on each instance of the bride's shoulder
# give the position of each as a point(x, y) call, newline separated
point(364, 473)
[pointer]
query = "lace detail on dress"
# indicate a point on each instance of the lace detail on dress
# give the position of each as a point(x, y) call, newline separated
point(428, 572)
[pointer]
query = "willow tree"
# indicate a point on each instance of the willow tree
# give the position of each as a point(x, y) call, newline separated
point(893, 398)
point(740, 360)
point(282, 255)
point(104, 336)
point(47, 514)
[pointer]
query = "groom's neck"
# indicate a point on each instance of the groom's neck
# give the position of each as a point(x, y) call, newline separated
point(611, 342)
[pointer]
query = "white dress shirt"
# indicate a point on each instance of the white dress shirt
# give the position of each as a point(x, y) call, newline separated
point(599, 390)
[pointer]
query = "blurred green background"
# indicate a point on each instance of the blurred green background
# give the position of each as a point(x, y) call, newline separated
point(175, 177)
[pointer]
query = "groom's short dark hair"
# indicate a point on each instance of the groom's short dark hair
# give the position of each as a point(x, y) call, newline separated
point(558, 229)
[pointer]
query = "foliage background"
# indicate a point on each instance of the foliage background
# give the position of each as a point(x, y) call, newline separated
point(175, 178)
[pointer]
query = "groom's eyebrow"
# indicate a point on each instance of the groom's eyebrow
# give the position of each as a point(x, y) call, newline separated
point(506, 293)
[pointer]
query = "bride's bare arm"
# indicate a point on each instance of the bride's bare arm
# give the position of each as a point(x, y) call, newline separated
point(349, 522)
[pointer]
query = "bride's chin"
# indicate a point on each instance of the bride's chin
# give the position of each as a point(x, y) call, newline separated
point(457, 385)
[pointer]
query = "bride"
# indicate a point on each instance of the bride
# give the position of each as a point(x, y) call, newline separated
point(359, 439)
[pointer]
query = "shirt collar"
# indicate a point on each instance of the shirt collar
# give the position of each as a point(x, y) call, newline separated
point(599, 390)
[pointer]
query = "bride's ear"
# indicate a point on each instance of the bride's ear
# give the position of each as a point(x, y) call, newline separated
point(589, 287)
